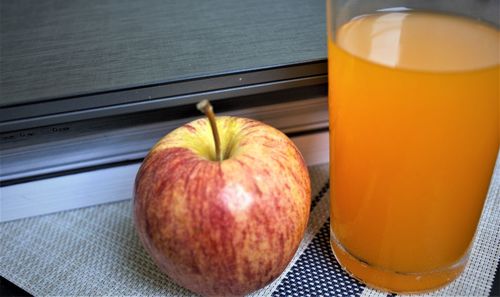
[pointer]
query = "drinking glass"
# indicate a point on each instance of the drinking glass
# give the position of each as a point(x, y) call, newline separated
point(414, 135)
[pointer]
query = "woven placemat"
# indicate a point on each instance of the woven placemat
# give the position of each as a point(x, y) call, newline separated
point(95, 251)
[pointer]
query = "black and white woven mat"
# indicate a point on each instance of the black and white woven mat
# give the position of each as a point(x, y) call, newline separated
point(95, 251)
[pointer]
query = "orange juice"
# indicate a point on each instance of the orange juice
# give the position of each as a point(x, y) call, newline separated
point(414, 119)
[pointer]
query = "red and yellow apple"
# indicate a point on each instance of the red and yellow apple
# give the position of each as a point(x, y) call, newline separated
point(222, 227)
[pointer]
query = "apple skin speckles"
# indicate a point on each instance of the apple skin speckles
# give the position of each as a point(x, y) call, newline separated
point(222, 228)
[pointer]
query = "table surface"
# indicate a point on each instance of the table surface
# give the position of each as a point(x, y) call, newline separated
point(56, 49)
point(95, 251)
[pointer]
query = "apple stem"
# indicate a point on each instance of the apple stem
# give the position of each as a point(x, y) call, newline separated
point(205, 107)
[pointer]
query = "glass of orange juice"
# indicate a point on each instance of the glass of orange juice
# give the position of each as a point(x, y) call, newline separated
point(414, 135)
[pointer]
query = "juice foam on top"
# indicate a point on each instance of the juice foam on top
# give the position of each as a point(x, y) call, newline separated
point(422, 41)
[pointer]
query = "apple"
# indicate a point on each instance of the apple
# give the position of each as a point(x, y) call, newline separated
point(222, 216)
